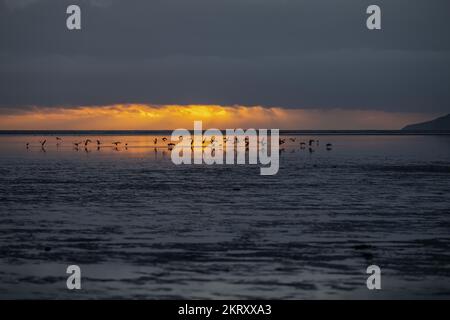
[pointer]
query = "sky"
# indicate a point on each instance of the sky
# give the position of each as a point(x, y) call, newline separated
point(294, 64)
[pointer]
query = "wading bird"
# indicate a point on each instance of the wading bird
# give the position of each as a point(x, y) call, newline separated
point(116, 143)
point(43, 143)
point(87, 142)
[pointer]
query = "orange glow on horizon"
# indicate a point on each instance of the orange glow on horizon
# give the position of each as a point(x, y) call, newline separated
point(153, 117)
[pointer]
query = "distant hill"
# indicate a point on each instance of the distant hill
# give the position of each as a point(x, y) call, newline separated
point(441, 123)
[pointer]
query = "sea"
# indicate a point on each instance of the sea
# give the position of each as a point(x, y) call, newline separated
point(140, 227)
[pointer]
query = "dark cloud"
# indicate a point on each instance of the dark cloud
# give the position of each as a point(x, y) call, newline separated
point(289, 53)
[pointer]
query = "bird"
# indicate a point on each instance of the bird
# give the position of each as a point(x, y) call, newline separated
point(292, 139)
point(58, 139)
point(76, 144)
point(28, 145)
point(311, 141)
point(98, 142)
point(329, 146)
point(164, 139)
point(282, 141)
point(117, 143)
point(43, 142)
point(156, 140)
point(87, 142)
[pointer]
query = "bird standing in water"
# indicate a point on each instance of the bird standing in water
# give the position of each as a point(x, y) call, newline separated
point(76, 145)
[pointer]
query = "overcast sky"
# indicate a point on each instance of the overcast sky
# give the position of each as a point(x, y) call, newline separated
point(284, 53)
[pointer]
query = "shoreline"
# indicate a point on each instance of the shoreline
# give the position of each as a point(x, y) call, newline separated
point(282, 132)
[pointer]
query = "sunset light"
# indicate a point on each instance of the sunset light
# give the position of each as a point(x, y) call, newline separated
point(162, 117)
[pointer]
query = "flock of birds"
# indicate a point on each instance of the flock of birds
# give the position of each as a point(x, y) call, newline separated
point(77, 145)
point(312, 143)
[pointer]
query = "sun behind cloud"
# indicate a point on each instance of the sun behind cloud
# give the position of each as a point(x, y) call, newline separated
point(167, 117)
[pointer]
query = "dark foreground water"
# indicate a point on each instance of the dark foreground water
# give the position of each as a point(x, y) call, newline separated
point(141, 227)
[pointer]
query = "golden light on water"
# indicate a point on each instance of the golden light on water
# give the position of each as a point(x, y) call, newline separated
point(161, 117)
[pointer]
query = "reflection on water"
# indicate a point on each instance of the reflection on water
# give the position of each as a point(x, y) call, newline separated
point(141, 227)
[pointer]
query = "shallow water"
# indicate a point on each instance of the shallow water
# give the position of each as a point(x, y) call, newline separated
point(141, 227)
